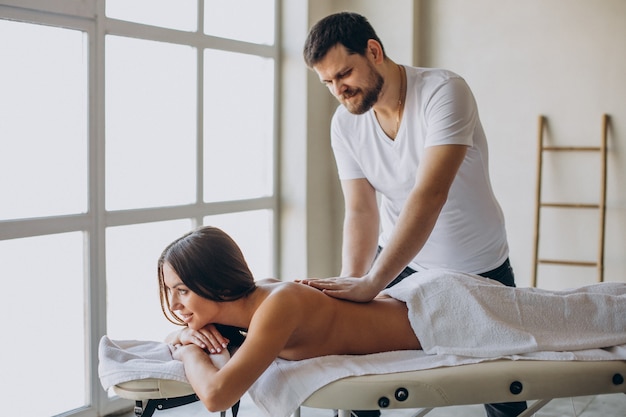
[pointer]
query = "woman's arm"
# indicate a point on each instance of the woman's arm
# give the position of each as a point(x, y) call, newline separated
point(270, 329)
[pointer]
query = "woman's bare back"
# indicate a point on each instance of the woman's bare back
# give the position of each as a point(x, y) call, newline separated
point(329, 326)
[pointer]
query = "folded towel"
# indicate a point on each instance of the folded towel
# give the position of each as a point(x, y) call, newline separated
point(468, 315)
point(129, 360)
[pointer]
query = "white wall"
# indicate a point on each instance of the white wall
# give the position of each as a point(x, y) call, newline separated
point(561, 58)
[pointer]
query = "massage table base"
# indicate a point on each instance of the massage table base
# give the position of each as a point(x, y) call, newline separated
point(483, 383)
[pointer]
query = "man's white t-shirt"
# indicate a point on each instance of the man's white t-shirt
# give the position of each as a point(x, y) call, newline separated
point(440, 109)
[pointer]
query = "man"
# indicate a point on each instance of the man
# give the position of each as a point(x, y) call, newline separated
point(412, 136)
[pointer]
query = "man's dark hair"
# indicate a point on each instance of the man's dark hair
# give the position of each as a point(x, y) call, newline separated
point(346, 28)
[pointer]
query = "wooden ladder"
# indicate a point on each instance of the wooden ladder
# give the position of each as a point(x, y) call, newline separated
point(601, 206)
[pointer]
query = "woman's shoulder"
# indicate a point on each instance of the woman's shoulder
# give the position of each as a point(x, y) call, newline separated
point(286, 301)
point(276, 285)
point(290, 293)
point(266, 281)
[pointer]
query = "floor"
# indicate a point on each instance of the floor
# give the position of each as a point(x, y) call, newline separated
point(613, 405)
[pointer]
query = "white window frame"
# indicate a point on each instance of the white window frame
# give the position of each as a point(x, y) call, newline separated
point(89, 16)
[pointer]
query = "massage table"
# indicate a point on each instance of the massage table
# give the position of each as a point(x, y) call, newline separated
point(538, 345)
point(486, 382)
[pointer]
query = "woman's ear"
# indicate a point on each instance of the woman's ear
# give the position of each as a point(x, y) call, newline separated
point(374, 51)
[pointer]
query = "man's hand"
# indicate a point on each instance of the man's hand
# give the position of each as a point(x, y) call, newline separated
point(361, 290)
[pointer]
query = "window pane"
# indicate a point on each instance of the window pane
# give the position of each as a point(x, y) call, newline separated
point(173, 14)
point(238, 126)
point(244, 20)
point(43, 120)
point(133, 308)
point(150, 124)
point(253, 231)
point(43, 281)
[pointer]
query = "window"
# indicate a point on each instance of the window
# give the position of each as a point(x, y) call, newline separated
point(44, 120)
point(123, 125)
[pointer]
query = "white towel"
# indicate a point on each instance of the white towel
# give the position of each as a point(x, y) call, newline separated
point(129, 360)
point(463, 314)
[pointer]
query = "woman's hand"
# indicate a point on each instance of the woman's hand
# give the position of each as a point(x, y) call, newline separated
point(207, 338)
point(179, 351)
point(218, 360)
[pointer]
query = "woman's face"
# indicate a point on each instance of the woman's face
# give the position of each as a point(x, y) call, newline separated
point(194, 310)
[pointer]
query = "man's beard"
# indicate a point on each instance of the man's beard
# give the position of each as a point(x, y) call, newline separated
point(370, 95)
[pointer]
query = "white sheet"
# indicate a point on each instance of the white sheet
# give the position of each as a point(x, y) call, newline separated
point(287, 384)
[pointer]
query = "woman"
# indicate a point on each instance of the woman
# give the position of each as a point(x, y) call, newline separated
point(206, 286)
point(204, 279)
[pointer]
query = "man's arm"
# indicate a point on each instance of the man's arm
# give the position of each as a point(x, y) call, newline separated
point(417, 219)
point(271, 327)
point(420, 212)
point(360, 227)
